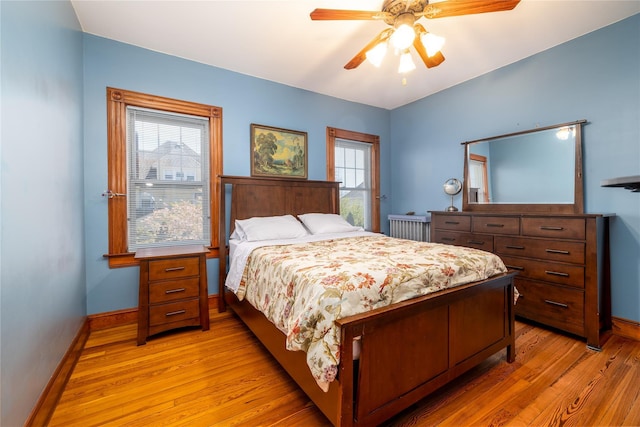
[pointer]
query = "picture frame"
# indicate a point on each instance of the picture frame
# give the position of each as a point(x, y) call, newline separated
point(277, 152)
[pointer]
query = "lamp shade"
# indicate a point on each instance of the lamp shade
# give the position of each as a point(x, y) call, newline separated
point(432, 43)
point(406, 63)
point(376, 55)
point(403, 37)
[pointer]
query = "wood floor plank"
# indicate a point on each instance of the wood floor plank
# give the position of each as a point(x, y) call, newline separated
point(575, 395)
point(309, 416)
point(225, 377)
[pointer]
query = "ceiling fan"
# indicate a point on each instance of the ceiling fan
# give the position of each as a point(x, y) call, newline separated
point(404, 31)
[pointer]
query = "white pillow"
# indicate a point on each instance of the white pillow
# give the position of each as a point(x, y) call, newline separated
point(319, 223)
point(237, 234)
point(270, 228)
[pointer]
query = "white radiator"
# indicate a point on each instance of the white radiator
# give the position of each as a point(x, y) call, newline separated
point(411, 227)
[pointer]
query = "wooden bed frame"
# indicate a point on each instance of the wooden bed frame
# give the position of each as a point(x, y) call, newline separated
point(408, 349)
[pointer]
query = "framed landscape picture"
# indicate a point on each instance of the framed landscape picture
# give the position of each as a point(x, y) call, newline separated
point(278, 152)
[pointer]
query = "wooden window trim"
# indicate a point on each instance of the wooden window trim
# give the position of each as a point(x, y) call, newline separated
point(374, 140)
point(117, 102)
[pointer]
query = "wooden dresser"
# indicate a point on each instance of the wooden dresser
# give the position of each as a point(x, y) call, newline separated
point(562, 260)
point(173, 289)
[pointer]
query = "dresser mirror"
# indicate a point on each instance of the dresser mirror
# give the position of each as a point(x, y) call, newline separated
point(537, 170)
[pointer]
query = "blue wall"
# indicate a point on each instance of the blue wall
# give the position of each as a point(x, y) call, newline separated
point(53, 270)
point(244, 100)
point(595, 77)
point(42, 279)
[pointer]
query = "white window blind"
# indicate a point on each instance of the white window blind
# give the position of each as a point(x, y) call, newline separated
point(167, 179)
point(353, 170)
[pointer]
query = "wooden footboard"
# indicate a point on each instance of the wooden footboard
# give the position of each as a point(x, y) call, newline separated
point(407, 350)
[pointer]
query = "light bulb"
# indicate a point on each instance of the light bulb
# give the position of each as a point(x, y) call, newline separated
point(403, 37)
point(432, 43)
point(564, 133)
point(406, 63)
point(376, 55)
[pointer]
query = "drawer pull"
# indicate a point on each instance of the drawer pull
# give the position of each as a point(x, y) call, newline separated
point(548, 227)
point(174, 313)
point(557, 251)
point(495, 225)
point(173, 291)
point(448, 239)
point(475, 242)
point(515, 267)
point(557, 273)
point(173, 269)
point(452, 222)
point(557, 304)
point(514, 247)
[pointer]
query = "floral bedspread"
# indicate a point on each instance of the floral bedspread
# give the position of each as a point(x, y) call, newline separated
point(302, 288)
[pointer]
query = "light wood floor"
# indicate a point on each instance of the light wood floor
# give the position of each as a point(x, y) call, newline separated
point(224, 377)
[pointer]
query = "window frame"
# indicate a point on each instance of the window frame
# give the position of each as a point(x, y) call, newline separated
point(117, 102)
point(374, 140)
point(482, 161)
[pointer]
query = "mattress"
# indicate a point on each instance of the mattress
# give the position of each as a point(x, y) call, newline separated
point(303, 287)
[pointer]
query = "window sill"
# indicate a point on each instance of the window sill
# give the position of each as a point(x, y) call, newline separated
point(127, 259)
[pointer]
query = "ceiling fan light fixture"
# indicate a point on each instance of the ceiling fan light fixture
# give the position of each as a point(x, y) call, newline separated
point(406, 63)
point(376, 55)
point(403, 37)
point(432, 43)
point(404, 34)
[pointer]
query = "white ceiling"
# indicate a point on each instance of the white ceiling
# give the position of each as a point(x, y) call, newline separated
point(278, 41)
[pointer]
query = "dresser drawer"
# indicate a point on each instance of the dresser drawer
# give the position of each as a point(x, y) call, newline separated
point(565, 274)
point(172, 290)
point(173, 312)
point(555, 227)
point(478, 241)
point(554, 250)
point(496, 225)
point(451, 222)
point(173, 268)
point(556, 306)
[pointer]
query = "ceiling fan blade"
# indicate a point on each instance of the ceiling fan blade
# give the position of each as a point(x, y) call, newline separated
point(362, 55)
point(338, 14)
point(448, 8)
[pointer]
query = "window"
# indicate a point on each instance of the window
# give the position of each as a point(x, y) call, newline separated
point(353, 159)
point(164, 212)
point(164, 155)
point(478, 192)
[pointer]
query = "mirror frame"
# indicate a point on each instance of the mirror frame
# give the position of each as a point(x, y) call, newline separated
point(577, 207)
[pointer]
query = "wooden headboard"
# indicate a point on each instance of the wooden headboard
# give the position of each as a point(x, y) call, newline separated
point(251, 196)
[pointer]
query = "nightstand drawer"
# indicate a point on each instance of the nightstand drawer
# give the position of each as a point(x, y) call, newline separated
point(496, 225)
point(173, 312)
point(173, 268)
point(554, 250)
point(565, 274)
point(172, 290)
point(555, 227)
point(452, 222)
point(478, 241)
point(552, 305)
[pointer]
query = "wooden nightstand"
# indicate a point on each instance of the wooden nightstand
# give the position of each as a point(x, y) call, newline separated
point(173, 289)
